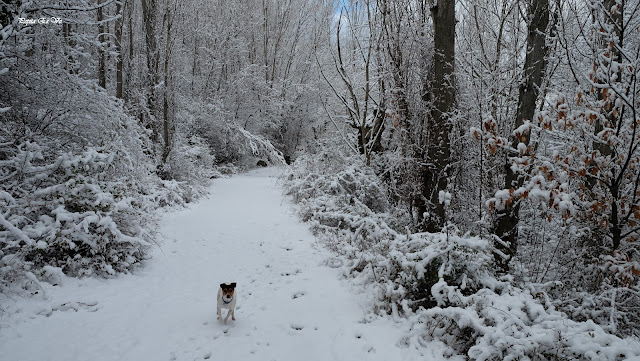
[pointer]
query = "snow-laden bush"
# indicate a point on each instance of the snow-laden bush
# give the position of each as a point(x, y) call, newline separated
point(226, 139)
point(488, 318)
point(444, 284)
point(69, 214)
point(187, 172)
point(76, 184)
point(347, 205)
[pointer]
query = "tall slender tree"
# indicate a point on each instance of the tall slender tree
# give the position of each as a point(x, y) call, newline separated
point(443, 85)
point(119, 49)
point(102, 56)
point(149, 14)
point(507, 218)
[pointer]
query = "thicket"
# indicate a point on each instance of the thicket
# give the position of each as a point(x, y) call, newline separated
point(445, 284)
point(79, 175)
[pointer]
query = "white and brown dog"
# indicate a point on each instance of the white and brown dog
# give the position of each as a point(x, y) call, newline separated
point(227, 299)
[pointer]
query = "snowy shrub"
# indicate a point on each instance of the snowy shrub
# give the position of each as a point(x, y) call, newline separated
point(186, 173)
point(347, 205)
point(588, 283)
point(612, 306)
point(503, 322)
point(444, 284)
point(227, 141)
point(484, 317)
point(417, 263)
point(76, 189)
point(69, 214)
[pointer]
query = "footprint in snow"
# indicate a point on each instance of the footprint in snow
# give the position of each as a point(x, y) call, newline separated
point(207, 355)
point(90, 306)
point(298, 295)
point(291, 273)
point(297, 327)
point(334, 262)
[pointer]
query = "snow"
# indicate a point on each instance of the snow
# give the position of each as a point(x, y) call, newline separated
point(291, 303)
point(444, 198)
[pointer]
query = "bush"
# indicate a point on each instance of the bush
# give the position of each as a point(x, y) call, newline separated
point(442, 283)
point(70, 214)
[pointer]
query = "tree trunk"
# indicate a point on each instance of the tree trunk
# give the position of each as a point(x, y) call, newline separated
point(102, 72)
point(165, 108)
point(439, 152)
point(265, 39)
point(118, 35)
point(506, 223)
point(149, 8)
point(614, 16)
point(194, 65)
point(130, 6)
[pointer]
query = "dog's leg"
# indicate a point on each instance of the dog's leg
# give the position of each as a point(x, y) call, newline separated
point(233, 314)
point(219, 315)
point(226, 318)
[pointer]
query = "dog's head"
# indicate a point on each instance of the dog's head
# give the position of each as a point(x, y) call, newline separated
point(228, 290)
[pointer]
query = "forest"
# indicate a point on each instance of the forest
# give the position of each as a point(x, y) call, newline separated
point(477, 161)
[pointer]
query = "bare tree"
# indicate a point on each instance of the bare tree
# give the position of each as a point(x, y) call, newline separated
point(438, 152)
point(364, 90)
point(118, 38)
point(102, 61)
point(507, 218)
point(149, 12)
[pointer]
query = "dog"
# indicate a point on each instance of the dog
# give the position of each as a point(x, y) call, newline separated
point(227, 299)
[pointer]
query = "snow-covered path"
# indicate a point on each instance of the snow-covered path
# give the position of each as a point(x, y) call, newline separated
point(291, 306)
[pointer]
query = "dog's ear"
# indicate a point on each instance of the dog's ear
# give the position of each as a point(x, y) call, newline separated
point(222, 285)
point(233, 285)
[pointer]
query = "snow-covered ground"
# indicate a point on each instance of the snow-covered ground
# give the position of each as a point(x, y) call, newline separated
point(291, 305)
